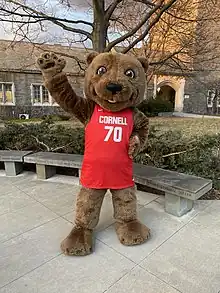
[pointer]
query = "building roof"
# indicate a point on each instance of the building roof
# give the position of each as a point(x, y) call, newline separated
point(21, 56)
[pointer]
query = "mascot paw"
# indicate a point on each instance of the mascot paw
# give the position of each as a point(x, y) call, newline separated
point(134, 145)
point(49, 62)
point(78, 242)
point(132, 233)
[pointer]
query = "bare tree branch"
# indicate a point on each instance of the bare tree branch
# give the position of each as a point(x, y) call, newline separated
point(46, 17)
point(41, 143)
point(136, 28)
point(146, 2)
point(146, 31)
point(53, 20)
point(109, 11)
point(162, 61)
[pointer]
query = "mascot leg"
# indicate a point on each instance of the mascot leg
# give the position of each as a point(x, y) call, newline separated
point(88, 206)
point(129, 230)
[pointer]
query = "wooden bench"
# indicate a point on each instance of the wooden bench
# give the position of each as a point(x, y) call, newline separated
point(181, 190)
point(13, 161)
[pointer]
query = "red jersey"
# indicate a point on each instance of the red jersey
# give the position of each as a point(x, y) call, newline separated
point(106, 163)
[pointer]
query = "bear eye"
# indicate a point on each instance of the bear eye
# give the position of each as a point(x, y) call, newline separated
point(130, 73)
point(101, 70)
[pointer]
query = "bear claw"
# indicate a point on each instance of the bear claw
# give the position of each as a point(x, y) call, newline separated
point(51, 61)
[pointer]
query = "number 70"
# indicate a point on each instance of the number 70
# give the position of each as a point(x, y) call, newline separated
point(115, 131)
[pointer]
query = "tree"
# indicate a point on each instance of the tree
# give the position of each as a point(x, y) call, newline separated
point(175, 35)
point(25, 17)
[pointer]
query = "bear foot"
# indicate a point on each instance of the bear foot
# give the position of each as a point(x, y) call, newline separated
point(78, 242)
point(132, 233)
point(50, 63)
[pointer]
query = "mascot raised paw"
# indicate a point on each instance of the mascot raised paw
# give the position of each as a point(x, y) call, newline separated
point(115, 131)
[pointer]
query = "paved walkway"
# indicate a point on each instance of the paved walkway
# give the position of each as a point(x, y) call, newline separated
point(183, 254)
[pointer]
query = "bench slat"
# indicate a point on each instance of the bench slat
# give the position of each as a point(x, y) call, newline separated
point(13, 156)
point(55, 159)
point(184, 185)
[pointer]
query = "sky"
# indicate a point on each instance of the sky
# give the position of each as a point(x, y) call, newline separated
point(80, 9)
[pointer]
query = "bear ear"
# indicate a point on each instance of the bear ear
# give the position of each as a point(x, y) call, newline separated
point(144, 63)
point(91, 56)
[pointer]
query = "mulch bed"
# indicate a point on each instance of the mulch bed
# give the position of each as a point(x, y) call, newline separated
point(213, 194)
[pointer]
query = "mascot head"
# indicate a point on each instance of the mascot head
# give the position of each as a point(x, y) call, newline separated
point(114, 80)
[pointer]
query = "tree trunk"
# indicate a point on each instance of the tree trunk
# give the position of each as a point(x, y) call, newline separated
point(99, 34)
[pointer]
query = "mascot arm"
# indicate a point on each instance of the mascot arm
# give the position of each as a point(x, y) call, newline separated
point(139, 134)
point(60, 89)
point(63, 93)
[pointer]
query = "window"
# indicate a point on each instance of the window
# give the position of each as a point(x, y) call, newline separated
point(41, 96)
point(210, 98)
point(7, 93)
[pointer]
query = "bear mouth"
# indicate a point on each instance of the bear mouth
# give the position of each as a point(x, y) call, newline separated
point(113, 101)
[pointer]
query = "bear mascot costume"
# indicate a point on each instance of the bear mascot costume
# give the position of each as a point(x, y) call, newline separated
point(115, 131)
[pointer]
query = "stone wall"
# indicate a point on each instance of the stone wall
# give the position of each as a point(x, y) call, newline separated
point(23, 103)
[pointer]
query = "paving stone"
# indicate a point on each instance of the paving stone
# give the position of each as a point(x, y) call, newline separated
point(24, 253)
point(60, 199)
point(145, 198)
point(64, 179)
point(13, 201)
point(24, 176)
point(162, 226)
point(6, 187)
point(140, 281)
point(93, 273)
point(36, 188)
point(190, 259)
point(24, 219)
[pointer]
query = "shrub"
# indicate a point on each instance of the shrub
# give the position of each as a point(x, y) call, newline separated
point(165, 149)
point(152, 106)
point(45, 136)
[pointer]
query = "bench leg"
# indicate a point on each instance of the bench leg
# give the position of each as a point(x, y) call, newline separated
point(13, 168)
point(177, 206)
point(45, 172)
point(79, 170)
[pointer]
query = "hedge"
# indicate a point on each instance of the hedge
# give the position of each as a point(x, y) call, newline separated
point(168, 150)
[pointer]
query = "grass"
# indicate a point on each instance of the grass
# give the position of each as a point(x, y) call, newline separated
point(190, 127)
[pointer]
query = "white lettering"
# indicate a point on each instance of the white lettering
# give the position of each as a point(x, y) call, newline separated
point(101, 119)
point(112, 120)
point(117, 133)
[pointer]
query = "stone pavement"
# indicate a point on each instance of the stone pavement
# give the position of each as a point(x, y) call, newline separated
point(183, 254)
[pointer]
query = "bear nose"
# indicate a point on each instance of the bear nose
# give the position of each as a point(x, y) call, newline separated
point(113, 87)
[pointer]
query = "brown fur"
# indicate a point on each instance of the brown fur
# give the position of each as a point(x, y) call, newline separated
point(129, 230)
point(129, 72)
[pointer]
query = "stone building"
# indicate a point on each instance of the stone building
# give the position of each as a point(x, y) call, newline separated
point(21, 87)
point(196, 89)
point(190, 79)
